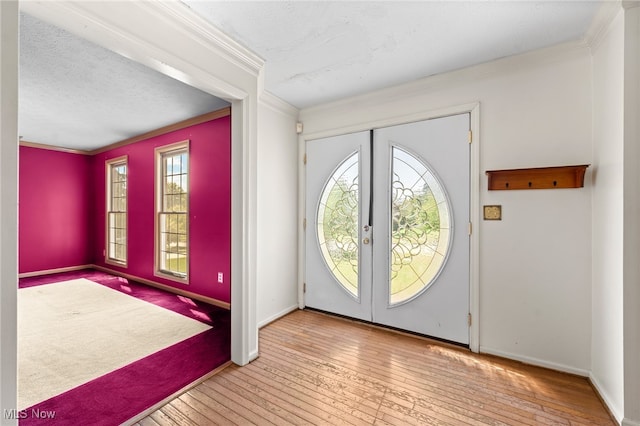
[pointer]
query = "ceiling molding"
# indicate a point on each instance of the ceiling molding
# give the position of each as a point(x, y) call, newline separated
point(273, 102)
point(174, 12)
point(199, 28)
point(602, 22)
point(213, 115)
point(224, 112)
point(429, 84)
point(108, 32)
point(53, 148)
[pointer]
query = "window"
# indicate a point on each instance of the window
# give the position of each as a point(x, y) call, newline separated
point(338, 224)
point(172, 218)
point(116, 251)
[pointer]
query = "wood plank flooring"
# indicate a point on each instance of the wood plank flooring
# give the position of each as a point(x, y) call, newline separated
point(320, 370)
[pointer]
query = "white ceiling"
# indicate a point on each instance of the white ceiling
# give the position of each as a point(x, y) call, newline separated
point(78, 95)
point(75, 94)
point(319, 51)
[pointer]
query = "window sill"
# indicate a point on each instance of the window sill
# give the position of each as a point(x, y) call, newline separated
point(115, 263)
point(171, 277)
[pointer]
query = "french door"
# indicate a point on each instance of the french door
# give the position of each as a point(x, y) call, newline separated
point(387, 226)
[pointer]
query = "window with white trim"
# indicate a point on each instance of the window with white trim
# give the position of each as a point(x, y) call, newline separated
point(172, 214)
point(116, 238)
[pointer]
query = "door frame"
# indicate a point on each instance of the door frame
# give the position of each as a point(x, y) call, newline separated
point(474, 198)
point(235, 77)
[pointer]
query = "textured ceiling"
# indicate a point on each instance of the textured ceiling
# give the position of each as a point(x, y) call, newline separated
point(319, 51)
point(75, 94)
point(78, 95)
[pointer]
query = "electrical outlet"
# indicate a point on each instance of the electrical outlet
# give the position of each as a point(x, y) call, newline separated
point(220, 277)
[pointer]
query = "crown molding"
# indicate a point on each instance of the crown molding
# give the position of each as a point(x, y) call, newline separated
point(557, 53)
point(273, 102)
point(111, 31)
point(224, 112)
point(53, 148)
point(602, 22)
point(173, 12)
point(199, 28)
point(630, 4)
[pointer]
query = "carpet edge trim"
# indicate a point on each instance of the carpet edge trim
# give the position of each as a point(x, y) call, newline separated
point(173, 396)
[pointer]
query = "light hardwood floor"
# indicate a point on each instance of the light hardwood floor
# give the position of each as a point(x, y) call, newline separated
point(317, 369)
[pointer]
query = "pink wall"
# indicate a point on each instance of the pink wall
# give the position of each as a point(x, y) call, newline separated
point(62, 208)
point(209, 206)
point(53, 214)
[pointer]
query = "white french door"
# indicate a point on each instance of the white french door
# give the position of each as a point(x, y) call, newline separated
point(387, 226)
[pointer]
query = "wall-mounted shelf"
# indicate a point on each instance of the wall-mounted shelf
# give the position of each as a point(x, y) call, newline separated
point(537, 178)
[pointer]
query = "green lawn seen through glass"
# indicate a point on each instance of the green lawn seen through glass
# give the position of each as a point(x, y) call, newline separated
point(405, 277)
point(178, 266)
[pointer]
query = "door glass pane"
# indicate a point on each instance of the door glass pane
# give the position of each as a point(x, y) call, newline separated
point(338, 226)
point(420, 227)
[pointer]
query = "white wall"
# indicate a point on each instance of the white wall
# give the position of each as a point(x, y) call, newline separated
point(631, 292)
point(616, 208)
point(277, 245)
point(608, 232)
point(8, 206)
point(535, 273)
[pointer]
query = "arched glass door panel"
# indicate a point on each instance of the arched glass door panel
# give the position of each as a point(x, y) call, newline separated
point(337, 224)
point(420, 227)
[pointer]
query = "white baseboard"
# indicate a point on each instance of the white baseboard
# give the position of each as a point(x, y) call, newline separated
point(253, 355)
point(535, 361)
point(606, 399)
point(54, 271)
point(278, 315)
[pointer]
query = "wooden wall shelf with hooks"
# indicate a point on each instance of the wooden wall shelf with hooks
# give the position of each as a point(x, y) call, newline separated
point(537, 178)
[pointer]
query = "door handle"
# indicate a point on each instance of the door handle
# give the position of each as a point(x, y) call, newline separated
point(365, 240)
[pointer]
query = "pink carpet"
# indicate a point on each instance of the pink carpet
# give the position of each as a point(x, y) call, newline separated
point(123, 393)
